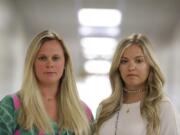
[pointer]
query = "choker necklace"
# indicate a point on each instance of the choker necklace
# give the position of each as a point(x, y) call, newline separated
point(133, 91)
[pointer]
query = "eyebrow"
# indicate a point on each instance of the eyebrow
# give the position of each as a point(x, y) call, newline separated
point(141, 56)
point(43, 54)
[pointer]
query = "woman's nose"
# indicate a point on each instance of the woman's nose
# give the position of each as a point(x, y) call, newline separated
point(49, 63)
point(131, 66)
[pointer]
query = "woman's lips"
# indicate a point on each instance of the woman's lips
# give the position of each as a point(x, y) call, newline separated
point(132, 75)
point(50, 72)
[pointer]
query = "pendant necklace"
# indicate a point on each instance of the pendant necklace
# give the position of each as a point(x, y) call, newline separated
point(126, 91)
point(117, 120)
point(128, 110)
point(116, 124)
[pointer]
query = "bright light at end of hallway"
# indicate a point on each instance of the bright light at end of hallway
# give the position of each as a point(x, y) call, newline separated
point(93, 89)
point(95, 47)
point(97, 66)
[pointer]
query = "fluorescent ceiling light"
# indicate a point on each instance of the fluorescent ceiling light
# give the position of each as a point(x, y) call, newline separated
point(100, 31)
point(99, 17)
point(97, 66)
point(96, 47)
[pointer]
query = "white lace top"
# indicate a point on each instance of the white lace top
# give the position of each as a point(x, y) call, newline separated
point(130, 121)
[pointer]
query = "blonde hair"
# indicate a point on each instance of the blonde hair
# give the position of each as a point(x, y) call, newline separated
point(154, 86)
point(71, 114)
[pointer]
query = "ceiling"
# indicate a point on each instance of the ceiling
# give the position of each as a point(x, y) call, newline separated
point(155, 18)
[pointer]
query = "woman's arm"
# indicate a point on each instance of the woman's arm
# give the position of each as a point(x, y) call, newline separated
point(169, 119)
point(7, 116)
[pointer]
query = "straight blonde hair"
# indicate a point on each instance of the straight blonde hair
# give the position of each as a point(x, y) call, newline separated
point(71, 114)
point(154, 86)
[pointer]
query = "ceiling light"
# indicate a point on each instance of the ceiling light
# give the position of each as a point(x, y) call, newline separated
point(99, 17)
point(100, 31)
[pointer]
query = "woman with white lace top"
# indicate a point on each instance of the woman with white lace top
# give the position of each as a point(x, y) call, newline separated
point(137, 105)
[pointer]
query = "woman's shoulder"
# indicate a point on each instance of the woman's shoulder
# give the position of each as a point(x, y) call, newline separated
point(10, 104)
point(166, 102)
point(169, 117)
point(167, 107)
point(7, 101)
point(88, 111)
point(8, 115)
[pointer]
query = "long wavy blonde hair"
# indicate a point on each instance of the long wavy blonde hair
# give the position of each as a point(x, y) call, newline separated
point(154, 86)
point(71, 114)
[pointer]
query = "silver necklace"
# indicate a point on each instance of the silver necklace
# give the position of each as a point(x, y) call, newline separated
point(116, 124)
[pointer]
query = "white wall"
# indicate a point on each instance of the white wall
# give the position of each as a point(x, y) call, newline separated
point(11, 49)
point(174, 70)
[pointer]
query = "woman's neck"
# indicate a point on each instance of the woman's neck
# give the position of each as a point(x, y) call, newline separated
point(135, 97)
point(49, 91)
point(131, 95)
point(49, 97)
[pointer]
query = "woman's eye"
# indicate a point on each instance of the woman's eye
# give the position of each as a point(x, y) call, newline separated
point(139, 60)
point(42, 58)
point(55, 58)
point(123, 61)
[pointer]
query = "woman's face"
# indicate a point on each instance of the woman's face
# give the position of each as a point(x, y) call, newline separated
point(134, 68)
point(49, 63)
